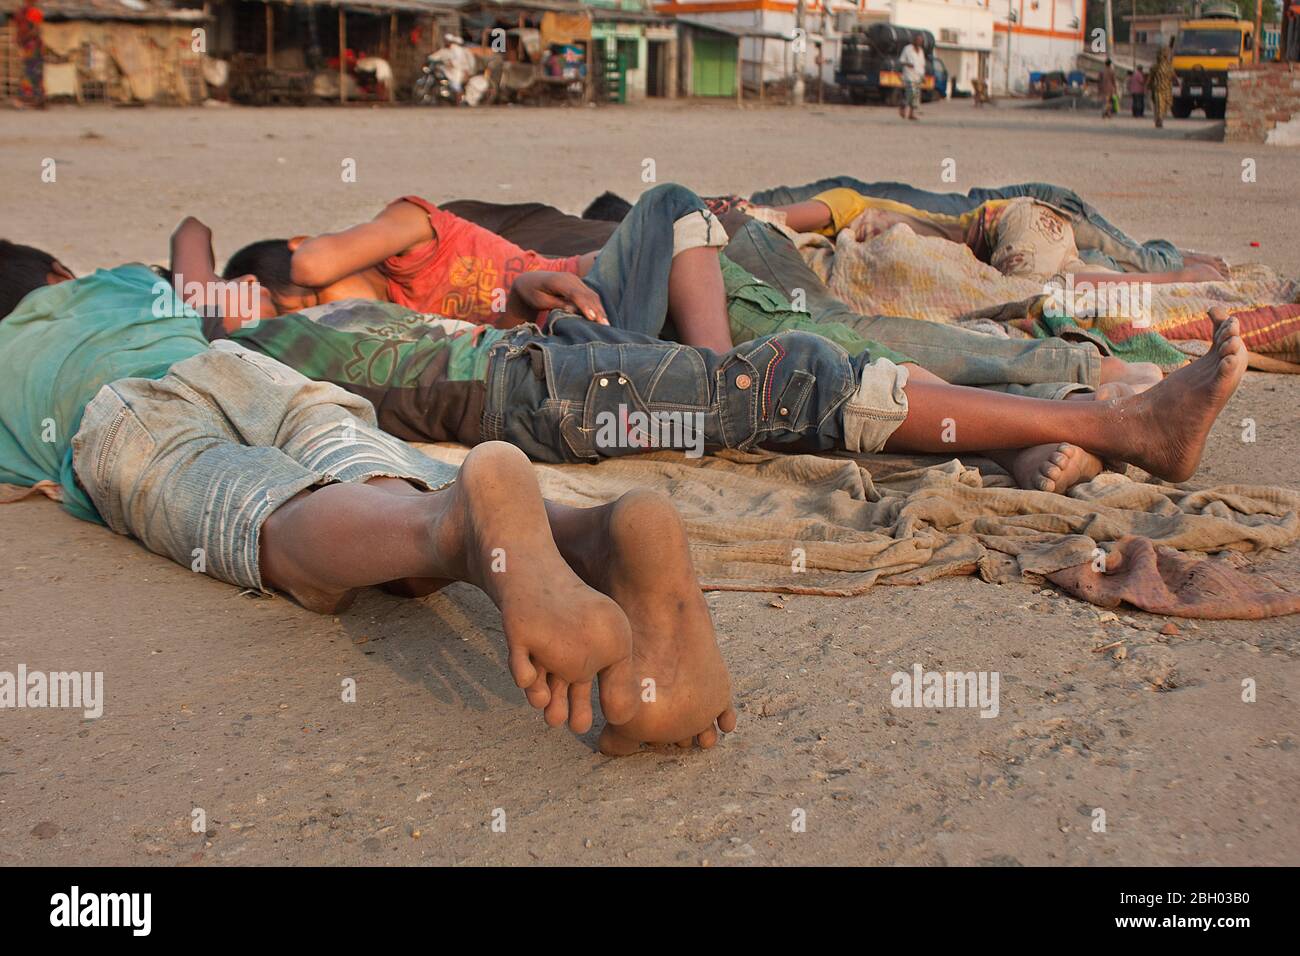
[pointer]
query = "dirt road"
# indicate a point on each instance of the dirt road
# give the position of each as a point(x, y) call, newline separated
point(230, 705)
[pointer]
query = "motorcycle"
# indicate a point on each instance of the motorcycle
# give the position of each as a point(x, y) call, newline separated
point(432, 87)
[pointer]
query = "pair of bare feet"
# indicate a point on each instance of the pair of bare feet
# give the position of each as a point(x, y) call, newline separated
point(608, 593)
point(603, 595)
point(1177, 411)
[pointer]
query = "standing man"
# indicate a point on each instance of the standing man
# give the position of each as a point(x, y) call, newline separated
point(1161, 83)
point(1109, 90)
point(1137, 89)
point(913, 62)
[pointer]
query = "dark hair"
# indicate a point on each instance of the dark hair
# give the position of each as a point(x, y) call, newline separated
point(268, 259)
point(23, 269)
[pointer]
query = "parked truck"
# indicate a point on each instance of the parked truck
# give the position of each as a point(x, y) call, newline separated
point(869, 67)
point(1205, 50)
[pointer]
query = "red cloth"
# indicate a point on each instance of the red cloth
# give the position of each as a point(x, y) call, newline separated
point(463, 271)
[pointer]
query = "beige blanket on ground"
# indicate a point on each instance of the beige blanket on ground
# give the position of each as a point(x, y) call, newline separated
point(923, 277)
point(836, 526)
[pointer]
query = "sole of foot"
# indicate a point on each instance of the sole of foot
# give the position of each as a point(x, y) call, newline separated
point(685, 690)
point(556, 626)
point(1167, 425)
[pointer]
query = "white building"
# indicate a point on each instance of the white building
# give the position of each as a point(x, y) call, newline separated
point(1034, 36)
point(1004, 39)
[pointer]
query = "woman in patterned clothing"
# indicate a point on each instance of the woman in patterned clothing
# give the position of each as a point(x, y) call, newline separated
point(1160, 83)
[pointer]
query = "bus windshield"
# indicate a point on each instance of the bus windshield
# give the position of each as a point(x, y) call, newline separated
point(1208, 43)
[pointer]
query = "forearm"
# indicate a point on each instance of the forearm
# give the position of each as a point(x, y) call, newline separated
point(194, 269)
point(810, 216)
point(323, 260)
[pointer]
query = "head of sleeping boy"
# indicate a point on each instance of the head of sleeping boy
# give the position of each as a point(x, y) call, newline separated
point(24, 269)
point(268, 263)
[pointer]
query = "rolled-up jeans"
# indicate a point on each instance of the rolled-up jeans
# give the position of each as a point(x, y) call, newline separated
point(586, 392)
point(631, 271)
point(1099, 242)
point(1042, 368)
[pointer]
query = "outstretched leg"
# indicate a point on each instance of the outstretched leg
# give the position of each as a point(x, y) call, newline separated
point(490, 529)
point(1161, 430)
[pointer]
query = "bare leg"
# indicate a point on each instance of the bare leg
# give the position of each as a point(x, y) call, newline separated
point(1162, 430)
point(490, 529)
point(1059, 467)
point(697, 299)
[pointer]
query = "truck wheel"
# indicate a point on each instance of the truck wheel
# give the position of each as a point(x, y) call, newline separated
point(1216, 110)
point(894, 98)
point(1181, 109)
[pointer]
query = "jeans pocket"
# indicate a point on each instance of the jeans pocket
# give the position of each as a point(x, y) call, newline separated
point(790, 411)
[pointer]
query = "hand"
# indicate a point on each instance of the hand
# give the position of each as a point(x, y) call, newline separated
point(558, 290)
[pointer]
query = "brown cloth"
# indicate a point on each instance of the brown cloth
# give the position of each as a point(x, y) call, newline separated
point(808, 524)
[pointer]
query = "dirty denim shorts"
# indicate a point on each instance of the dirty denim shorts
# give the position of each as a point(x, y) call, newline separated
point(192, 464)
point(562, 397)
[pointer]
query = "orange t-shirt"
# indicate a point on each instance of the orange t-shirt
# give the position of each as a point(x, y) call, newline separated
point(459, 271)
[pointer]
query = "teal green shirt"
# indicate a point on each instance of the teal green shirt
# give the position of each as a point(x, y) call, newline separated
point(61, 345)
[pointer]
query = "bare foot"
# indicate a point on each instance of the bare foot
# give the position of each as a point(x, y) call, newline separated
point(1218, 263)
point(1054, 468)
point(555, 625)
point(1165, 428)
point(1141, 375)
point(638, 555)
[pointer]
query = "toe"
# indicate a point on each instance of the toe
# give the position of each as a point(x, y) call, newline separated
point(539, 693)
point(580, 716)
point(687, 743)
point(618, 692)
point(557, 711)
point(708, 738)
point(727, 720)
point(521, 666)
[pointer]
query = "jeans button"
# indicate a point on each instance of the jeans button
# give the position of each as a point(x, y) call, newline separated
point(743, 381)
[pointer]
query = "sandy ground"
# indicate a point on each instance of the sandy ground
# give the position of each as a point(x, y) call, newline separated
point(231, 704)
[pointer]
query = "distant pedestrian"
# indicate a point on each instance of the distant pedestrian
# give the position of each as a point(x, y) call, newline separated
point(1161, 83)
point(912, 60)
point(31, 48)
point(1137, 89)
point(1109, 91)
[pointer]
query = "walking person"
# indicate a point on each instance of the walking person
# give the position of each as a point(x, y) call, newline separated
point(27, 36)
point(1161, 82)
point(1109, 91)
point(1137, 89)
point(913, 62)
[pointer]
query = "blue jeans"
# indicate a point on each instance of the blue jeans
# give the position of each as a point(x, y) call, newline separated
point(1042, 368)
point(630, 273)
point(567, 396)
point(1099, 241)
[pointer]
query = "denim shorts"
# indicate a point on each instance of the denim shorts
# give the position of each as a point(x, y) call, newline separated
point(193, 463)
point(574, 395)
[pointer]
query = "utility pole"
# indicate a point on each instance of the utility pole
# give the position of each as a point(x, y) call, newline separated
point(800, 46)
point(1110, 27)
point(1132, 37)
point(1259, 31)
